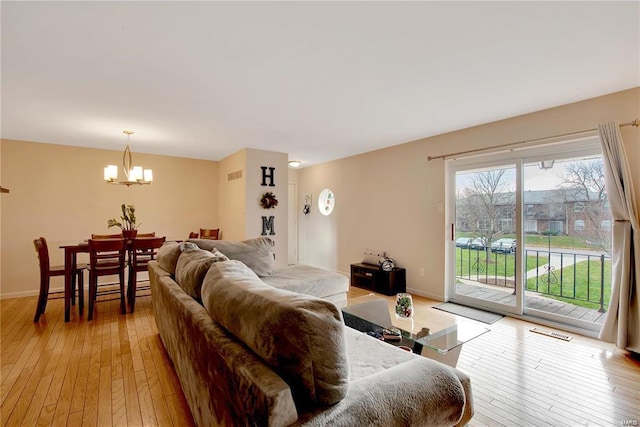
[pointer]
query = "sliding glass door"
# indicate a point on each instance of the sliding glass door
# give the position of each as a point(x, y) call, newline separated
point(531, 234)
point(485, 235)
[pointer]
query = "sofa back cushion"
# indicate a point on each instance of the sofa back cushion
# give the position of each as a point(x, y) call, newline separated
point(301, 337)
point(191, 268)
point(169, 253)
point(257, 254)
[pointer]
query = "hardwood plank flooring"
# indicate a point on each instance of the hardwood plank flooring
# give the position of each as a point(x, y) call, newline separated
point(115, 371)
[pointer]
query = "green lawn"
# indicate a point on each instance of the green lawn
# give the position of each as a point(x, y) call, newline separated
point(587, 286)
point(492, 264)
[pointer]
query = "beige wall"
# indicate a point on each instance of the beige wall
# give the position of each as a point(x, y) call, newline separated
point(233, 193)
point(58, 192)
point(391, 199)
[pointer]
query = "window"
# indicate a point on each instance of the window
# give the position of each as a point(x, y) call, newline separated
point(506, 225)
point(530, 226)
point(578, 207)
point(578, 225)
point(605, 225)
point(555, 227)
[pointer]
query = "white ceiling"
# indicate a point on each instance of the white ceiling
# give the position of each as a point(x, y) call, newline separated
point(319, 81)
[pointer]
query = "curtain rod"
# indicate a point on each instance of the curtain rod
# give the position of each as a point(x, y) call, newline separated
point(635, 123)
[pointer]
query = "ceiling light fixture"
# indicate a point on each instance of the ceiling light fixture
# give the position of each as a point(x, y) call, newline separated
point(135, 174)
point(294, 163)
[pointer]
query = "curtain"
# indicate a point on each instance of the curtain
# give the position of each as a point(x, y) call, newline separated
point(622, 322)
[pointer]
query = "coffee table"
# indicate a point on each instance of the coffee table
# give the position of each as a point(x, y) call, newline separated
point(430, 334)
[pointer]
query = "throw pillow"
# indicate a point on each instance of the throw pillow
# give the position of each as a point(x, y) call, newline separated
point(191, 268)
point(300, 337)
point(169, 252)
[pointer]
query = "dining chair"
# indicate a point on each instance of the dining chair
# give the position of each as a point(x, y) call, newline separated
point(142, 250)
point(107, 236)
point(207, 233)
point(47, 271)
point(193, 235)
point(106, 258)
point(142, 235)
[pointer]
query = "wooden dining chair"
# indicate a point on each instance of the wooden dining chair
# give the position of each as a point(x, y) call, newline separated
point(207, 233)
point(142, 250)
point(106, 258)
point(193, 235)
point(143, 235)
point(106, 236)
point(47, 271)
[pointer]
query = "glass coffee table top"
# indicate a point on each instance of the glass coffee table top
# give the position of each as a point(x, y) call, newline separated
point(428, 328)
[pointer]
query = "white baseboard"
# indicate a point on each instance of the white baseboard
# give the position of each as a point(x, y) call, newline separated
point(424, 294)
point(22, 294)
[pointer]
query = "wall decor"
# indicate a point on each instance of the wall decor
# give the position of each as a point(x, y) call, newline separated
point(326, 202)
point(267, 226)
point(268, 176)
point(268, 200)
point(307, 204)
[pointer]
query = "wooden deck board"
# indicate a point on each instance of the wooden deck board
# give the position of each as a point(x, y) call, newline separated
point(537, 302)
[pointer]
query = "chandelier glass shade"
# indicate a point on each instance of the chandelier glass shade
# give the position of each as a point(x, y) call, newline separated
point(135, 175)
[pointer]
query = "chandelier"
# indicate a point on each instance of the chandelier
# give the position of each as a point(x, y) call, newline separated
point(134, 174)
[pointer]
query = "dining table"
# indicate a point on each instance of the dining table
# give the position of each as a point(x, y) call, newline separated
point(70, 261)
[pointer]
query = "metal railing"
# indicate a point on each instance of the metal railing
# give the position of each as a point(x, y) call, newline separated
point(548, 272)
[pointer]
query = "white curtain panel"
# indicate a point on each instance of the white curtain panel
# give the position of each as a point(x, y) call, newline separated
point(622, 323)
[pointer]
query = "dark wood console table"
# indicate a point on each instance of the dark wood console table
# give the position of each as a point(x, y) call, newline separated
point(374, 278)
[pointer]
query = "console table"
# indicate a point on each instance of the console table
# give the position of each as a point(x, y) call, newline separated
point(374, 278)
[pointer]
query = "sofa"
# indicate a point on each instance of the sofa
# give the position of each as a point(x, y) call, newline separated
point(248, 352)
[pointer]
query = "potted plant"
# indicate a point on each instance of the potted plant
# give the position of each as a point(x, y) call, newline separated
point(127, 222)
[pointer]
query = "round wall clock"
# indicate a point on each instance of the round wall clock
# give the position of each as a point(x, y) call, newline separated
point(326, 202)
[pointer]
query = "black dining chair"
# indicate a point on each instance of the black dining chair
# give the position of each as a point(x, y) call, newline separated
point(48, 271)
point(107, 257)
point(209, 233)
point(142, 251)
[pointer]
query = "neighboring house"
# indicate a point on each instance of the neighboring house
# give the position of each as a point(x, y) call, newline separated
point(567, 212)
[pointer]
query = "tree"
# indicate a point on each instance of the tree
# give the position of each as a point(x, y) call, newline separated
point(584, 184)
point(482, 201)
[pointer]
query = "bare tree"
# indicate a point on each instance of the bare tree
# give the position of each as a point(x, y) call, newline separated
point(584, 184)
point(483, 201)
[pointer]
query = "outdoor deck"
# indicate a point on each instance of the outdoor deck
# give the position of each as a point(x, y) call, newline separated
point(533, 300)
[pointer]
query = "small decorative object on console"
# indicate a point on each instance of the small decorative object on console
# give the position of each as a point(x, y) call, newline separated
point(404, 305)
point(387, 264)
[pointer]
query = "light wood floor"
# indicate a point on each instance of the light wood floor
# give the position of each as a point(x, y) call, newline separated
point(114, 371)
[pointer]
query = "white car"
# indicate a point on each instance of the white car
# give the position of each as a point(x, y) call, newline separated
point(464, 242)
point(505, 246)
point(478, 243)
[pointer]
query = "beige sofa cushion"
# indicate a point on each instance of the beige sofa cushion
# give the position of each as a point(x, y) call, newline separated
point(191, 268)
point(301, 337)
point(257, 254)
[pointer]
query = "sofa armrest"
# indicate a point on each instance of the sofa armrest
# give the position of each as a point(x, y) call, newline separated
point(417, 392)
point(224, 383)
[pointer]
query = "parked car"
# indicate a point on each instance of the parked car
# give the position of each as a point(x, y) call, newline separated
point(478, 243)
point(464, 242)
point(505, 246)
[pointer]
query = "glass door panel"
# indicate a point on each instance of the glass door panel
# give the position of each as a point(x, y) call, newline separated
point(567, 240)
point(486, 238)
